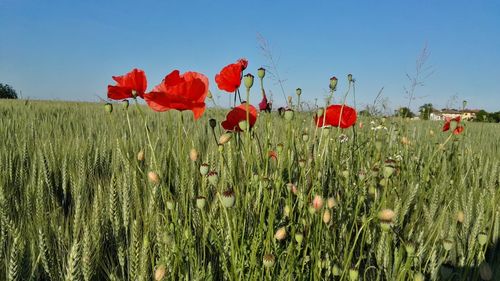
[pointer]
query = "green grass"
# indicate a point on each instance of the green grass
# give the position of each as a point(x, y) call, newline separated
point(76, 204)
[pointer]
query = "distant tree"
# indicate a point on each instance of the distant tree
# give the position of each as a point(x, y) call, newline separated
point(425, 111)
point(482, 116)
point(7, 92)
point(494, 117)
point(404, 112)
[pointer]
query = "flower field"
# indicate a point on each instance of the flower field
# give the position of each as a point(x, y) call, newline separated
point(128, 193)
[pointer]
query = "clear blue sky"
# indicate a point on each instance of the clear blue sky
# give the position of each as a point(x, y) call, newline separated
point(68, 50)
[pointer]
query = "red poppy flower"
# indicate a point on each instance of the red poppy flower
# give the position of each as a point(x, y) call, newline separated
point(238, 114)
point(229, 78)
point(129, 85)
point(264, 105)
point(458, 130)
point(447, 123)
point(272, 154)
point(181, 92)
point(337, 115)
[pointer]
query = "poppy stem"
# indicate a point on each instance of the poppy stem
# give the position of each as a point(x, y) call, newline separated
point(234, 104)
point(215, 136)
point(239, 95)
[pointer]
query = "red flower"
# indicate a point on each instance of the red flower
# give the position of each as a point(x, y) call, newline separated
point(264, 105)
point(129, 85)
point(229, 78)
point(238, 114)
point(272, 154)
point(181, 92)
point(337, 115)
point(447, 124)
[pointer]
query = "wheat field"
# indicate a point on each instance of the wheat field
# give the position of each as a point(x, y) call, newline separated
point(138, 195)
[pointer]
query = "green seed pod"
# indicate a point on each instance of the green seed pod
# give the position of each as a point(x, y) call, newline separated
point(248, 80)
point(200, 202)
point(410, 249)
point(299, 237)
point(305, 137)
point(289, 114)
point(213, 178)
point(418, 277)
point(482, 238)
point(261, 72)
point(125, 104)
point(447, 244)
point(228, 198)
point(388, 171)
point(333, 83)
point(108, 107)
point(204, 169)
point(170, 205)
point(268, 260)
point(353, 274)
point(349, 77)
point(298, 92)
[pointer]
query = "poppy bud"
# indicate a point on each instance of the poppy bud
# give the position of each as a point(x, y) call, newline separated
point(248, 79)
point(317, 202)
point(125, 104)
point(482, 238)
point(209, 95)
point(280, 234)
point(160, 272)
point(286, 211)
point(228, 198)
point(200, 202)
point(327, 216)
point(288, 114)
point(349, 77)
point(224, 138)
point(213, 178)
point(268, 260)
point(140, 156)
point(299, 237)
point(279, 147)
point(460, 217)
point(386, 215)
point(153, 177)
point(305, 137)
point(204, 169)
point(170, 205)
point(108, 107)
point(212, 122)
point(331, 203)
point(418, 277)
point(243, 124)
point(333, 83)
point(193, 155)
point(447, 244)
point(410, 249)
point(220, 147)
point(261, 72)
point(298, 92)
point(290, 100)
